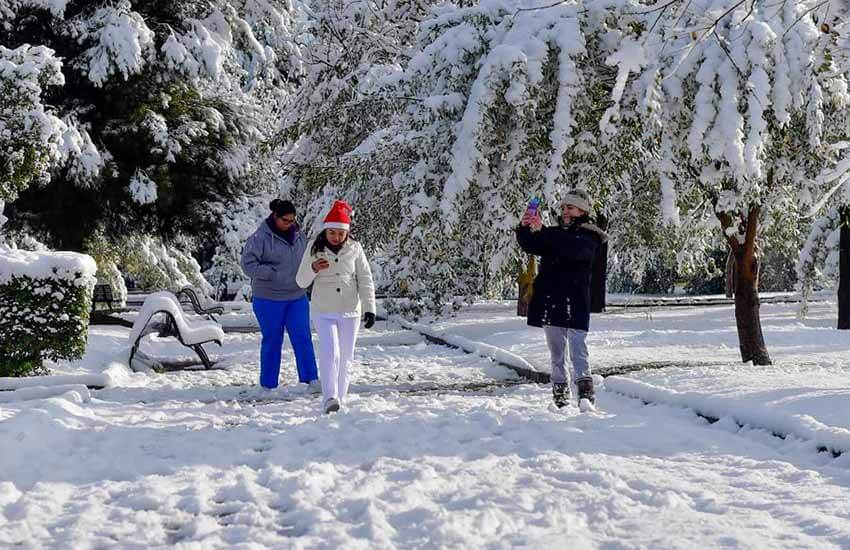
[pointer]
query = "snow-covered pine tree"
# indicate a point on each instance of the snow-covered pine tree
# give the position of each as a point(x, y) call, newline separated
point(749, 107)
point(33, 139)
point(171, 100)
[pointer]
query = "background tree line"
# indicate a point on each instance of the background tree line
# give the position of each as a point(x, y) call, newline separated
point(711, 134)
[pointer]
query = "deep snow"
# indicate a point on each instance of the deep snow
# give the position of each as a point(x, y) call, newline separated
point(437, 448)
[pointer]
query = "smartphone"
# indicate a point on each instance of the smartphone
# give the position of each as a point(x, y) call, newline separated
point(533, 206)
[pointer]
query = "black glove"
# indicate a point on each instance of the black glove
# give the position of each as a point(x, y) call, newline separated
point(369, 317)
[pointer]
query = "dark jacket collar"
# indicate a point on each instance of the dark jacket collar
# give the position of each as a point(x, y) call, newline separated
point(583, 223)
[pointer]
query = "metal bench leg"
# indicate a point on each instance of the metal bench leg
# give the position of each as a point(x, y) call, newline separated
point(202, 353)
point(133, 351)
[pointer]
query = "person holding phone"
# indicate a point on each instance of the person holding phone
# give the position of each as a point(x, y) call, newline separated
point(271, 257)
point(336, 265)
point(560, 302)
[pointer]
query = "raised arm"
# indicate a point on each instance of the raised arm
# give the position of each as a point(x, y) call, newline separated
point(532, 242)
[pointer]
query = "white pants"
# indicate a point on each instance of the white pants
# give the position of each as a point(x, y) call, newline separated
point(337, 336)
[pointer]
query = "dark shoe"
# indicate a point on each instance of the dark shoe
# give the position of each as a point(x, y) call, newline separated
point(561, 395)
point(585, 390)
point(331, 406)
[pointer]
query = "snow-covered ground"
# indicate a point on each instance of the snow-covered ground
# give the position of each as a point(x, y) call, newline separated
point(438, 448)
point(657, 334)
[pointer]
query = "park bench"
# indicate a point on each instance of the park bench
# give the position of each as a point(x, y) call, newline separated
point(103, 312)
point(188, 295)
point(171, 322)
point(102, 295)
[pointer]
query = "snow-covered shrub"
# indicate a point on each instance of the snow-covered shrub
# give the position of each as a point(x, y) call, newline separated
point(156, 265)
point(108, 255)
point(777, 272)
point(712, 279)
point(818, 266)
point(657, 277)
point(25, 240)
point(239, 217)
point(149, 261)
point(45, 299)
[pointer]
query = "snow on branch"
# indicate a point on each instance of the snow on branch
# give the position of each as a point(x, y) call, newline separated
point(11, 8)
point(118, 41)
point(35, 139)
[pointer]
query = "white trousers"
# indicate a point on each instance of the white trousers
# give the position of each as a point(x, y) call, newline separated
point(337, 336)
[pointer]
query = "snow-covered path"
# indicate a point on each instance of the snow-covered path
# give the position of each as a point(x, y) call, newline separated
point(195, 461)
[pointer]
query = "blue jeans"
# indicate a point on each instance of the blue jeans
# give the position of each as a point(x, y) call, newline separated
point(557, 339)
point(294, 316)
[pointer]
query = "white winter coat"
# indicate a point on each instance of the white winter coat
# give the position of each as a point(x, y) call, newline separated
point(345, 287)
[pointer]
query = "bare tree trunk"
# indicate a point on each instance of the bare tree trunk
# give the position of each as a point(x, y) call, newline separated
point(750, 337)
point(844, 271)
point(526, 287)
point(747, 305)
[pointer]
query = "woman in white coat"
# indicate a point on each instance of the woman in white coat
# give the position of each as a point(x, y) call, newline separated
point(337, 268)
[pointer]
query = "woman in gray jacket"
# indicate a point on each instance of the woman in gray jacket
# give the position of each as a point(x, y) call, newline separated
point(271, 257)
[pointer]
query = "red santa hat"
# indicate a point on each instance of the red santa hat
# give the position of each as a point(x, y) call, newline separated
point(339, 216)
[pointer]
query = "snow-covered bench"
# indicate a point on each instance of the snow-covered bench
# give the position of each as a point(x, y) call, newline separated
point(192, 297)
point(192, 335)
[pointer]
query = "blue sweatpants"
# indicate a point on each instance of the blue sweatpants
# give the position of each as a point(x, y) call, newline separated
point(294, 316)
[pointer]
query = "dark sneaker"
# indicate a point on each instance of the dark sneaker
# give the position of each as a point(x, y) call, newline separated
point(331, 406)
point(585, 390)
point(561, 395)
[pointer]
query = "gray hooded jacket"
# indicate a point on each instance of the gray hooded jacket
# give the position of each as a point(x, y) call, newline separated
point(272, 264)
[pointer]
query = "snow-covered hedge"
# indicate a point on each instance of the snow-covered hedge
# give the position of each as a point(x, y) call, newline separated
point(45, 299)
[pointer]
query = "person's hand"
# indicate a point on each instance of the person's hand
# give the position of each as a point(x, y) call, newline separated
point(369, 319)
point(320, 264)
point(536, 223)
point(532, 220)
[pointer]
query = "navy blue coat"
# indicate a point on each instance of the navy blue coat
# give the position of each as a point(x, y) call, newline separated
point(561, 294)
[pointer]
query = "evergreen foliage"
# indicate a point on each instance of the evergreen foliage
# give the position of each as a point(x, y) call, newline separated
point(170, 100)
point(42, 315)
